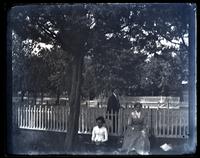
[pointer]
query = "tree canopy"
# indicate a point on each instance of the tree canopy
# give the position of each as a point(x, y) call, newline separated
point(95, 47)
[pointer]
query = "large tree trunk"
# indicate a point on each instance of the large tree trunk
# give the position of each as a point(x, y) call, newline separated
point(74, 103)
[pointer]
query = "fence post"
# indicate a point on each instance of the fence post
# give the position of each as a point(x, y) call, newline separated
point(31, 120)
point(40, 117)
point(150, 121)
point(159, 123)
point(26, 119)
point(172, 120)
point(180, 123)
point(56, 117)
point(164, 122)
point(83, 118)
point(63, 118)
point(44, 116)
point(176, 123)
point(66, 118)
point(168, 119)
point(45, 123)
point(24, 116)
point(59, 127)
point(33, 117)
point(36, 116)
point(51, 119)
point(156, 122)
point(29, 116)
point(79, 121)
point(18, 117)
point(184, 125)
point(60, 118)
point(88, 119)
point(48, 121)
point(63, 112)
point(21, 112)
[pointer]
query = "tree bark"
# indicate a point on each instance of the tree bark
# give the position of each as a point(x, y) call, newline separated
point(74, 104)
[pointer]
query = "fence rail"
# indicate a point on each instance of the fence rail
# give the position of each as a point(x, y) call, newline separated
point(161, 122)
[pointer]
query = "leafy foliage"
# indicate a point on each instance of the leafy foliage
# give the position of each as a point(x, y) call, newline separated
point(138, 47)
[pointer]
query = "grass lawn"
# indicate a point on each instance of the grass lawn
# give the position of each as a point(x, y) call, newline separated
point(45, 142)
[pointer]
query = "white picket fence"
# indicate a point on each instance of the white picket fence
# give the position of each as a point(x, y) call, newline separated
point(165, 122)
point(43, 118)
point(173, 123)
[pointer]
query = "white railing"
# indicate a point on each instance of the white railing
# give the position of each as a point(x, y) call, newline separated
point(164, 122)
point(43, 118)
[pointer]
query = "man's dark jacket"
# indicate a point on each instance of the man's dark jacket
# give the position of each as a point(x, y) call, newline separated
point(113, 104)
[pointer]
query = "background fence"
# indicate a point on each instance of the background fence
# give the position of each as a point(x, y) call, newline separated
point(165, 122)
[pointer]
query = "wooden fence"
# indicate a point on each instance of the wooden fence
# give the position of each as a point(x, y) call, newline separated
point(166, 122)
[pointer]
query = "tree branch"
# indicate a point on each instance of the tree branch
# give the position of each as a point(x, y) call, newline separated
point(184, 43)
point(168, 39)
point(175, 42)
point(51, 34)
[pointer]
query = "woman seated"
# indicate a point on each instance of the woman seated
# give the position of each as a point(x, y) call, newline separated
point(99, 134)
point(136, 138)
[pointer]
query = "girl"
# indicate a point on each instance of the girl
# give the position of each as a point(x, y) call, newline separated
point(99, 134)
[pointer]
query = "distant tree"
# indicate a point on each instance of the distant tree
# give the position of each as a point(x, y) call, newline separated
point(89, 89)
point(60, 72)
point(18, 64)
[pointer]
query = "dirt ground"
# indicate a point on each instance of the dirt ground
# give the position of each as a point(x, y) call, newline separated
point(34, 142)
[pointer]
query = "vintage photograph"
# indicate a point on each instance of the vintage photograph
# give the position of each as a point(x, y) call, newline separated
point(103, 79)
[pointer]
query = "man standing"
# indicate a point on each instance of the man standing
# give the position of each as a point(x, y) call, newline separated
point(113, 106)
point(113, 102)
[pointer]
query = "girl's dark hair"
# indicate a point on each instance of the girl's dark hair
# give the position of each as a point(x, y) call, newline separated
point(138, 104)
point(101, 118)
